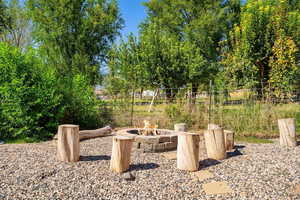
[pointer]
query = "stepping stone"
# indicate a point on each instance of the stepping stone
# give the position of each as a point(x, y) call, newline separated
point(170, 155)
point(296, 189)
point(217, 188)
point(203, 175)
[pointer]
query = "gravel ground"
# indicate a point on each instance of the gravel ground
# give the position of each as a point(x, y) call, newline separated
point(31, 171)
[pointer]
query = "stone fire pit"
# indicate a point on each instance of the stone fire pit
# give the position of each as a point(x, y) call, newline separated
point(166, 140)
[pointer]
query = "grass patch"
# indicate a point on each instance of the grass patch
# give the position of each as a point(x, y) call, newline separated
point(251, 139)
point(22, 140)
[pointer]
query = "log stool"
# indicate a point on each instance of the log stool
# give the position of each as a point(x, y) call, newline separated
point(287, 129)
point(229, 140)
point(68, 143)
point(215, 143)
point(121, 150)
point(180, 127)
point(188, 151)
point(212, 126)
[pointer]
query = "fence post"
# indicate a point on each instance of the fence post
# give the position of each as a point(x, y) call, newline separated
point(210, 96)
point(132, 105)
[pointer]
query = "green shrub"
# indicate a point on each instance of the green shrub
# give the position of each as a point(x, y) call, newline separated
point(30, 104)
point(177, 113)
point(34, 99)
point(81, 106)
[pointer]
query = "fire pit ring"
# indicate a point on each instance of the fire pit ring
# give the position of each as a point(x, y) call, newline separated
point(166, 140)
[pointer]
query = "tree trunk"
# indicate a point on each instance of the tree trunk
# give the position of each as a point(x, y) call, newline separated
point(170, 94)
point(88, 134)
point(194, 93)
point(68, 149)
point(141, 93)
point(287, 129)
point(153, 98)
point(229, 140)
point(121, 150)
point(180, 127)
point(215, 143)
point(188, 151)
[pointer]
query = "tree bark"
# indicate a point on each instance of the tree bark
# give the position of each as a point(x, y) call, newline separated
point(68, 149)
point(287, 129)
point(194, 93)
point(180, 127)
point(188, 152)
point(229, 140)
point(121, 150)
point(215, 143)
point(88, 134)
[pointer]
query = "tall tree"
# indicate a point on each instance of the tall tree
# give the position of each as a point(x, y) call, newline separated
point(126, 65)
point(4, 19)
point(164, 58)
point(18, 32)
point(75, 35)
point(265, 45)
point(199, 26)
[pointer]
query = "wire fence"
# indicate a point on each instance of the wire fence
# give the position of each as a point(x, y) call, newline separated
point(246, 111)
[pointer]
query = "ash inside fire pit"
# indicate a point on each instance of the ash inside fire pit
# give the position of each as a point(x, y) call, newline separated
point(159, 141)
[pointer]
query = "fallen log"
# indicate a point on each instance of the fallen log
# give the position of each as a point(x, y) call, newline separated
point(89, 134)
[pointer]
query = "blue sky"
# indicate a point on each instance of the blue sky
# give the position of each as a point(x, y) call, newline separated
point(133, 12)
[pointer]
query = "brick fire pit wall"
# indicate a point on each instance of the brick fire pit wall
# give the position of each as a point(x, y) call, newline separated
point(165, 141)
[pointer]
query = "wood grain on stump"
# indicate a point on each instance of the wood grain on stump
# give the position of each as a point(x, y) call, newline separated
point(180, 127)
point(68, 147)
point(287, 129)
point(188, 152)
point(229, 140)
point(121, 152)
point(215, 143)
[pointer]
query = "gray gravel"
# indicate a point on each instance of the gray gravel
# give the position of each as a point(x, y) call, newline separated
point(31, 171)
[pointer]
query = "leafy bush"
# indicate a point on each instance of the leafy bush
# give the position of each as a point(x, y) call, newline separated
point(179, 114)
point(81, 105)
point(30, 104)
point(34, 99)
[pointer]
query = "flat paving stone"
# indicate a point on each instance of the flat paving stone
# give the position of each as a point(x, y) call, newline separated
point(170, 155)
point(296, 190)
point(217, 188)
point(203, 175)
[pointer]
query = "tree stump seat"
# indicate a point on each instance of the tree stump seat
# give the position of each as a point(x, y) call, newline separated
point(121, 152)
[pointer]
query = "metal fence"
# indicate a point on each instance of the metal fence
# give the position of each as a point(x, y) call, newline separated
point(247, 111)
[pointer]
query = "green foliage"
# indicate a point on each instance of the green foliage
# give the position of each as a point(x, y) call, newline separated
point(18, 32)
point(264, 45)
point(126, 65)
point(34, 100)
point(179, 114)
point(81, 106)
point(178, 45)
point(75, 36)
point(30, 102)
point(4, 17)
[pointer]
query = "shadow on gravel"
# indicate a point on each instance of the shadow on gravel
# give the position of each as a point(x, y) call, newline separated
point(236, 152)
point(94, 158)
point(144, 166)
point(239, 146)
point(208, 162)
point(298, 143)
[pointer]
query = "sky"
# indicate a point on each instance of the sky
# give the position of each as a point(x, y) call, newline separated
point(133, 12)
